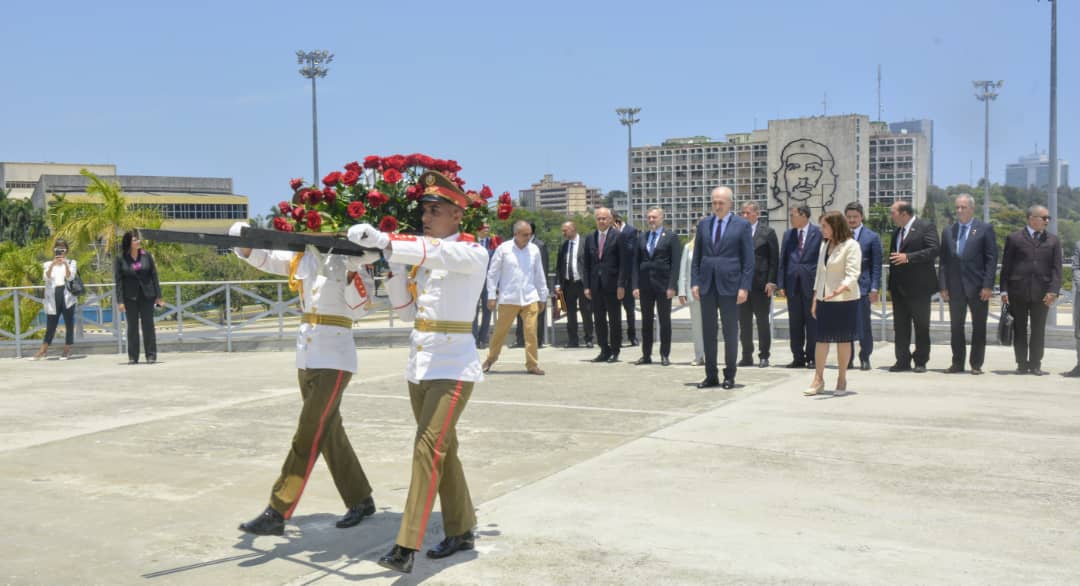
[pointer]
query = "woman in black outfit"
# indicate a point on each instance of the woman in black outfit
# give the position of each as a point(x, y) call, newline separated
point(138, 291)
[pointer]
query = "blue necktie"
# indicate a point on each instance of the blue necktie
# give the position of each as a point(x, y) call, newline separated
point(652, 242)
point(963, 240)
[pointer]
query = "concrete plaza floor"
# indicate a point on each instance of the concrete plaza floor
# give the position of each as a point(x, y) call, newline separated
point(593, 474)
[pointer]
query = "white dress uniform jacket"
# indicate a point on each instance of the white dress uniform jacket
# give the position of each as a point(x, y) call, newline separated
point(325, 290)
point(449, 279)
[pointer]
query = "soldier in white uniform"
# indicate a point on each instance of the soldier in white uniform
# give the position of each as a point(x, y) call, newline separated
point(439, 294)
point(334, 292)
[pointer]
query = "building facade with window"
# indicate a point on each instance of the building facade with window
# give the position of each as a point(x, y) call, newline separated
point(565, 197)
point(1033, 171)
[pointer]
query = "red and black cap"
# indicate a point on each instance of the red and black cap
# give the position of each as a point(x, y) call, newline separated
point(439, 187)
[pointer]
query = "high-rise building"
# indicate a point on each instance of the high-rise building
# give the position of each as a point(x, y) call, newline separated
point(822, 161)
point(922, 126)
point(565, 197)
point(1034, 171)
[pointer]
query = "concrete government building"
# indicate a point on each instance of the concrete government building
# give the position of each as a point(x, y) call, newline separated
point(195, 204)
point(824, 161)
point(566, 197)
point(1033, 171)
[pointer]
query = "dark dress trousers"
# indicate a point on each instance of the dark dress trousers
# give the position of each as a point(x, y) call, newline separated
point(629, 239)
point(766, 265)
point(796, 278)
point(541, 319)
point(137, 287)
point(653, 274)
point(481, 325)
point(573, 290)
point(722, 266)
point(911, 286)
point(869, 280)
point(963, 273)
point(604, 274)
point(1030, 268)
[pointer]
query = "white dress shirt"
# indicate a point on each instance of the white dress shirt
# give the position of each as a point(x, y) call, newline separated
point(571, 260)
point(325, 290)
point(448, 283)
point(517, 275)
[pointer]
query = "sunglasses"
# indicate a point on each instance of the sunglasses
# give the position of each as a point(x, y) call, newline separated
point(1043, 218)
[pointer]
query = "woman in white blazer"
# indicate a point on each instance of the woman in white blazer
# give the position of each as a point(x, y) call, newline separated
point(836, 298)
point(57, 273)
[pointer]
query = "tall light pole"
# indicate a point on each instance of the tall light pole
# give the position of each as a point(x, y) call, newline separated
point(314, 63)
point(1052, 198)
point(986, 92)
point(628, 118)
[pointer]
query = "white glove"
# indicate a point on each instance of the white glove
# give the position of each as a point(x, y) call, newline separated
point(368, 236)
point(234, 230)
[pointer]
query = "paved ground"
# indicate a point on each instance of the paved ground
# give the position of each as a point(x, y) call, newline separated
point(594, 474)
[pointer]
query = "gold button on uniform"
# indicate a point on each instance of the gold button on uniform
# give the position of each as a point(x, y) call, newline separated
point(419, 348)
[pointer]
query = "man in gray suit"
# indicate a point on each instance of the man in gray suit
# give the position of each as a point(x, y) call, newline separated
point(969, 254)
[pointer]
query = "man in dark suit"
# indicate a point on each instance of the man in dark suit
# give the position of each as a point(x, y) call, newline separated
point(966, 272)
point(1030, 282)
point(721, 274)
point(481, 325)
point(569, 270)
point(912, 282)
point(869, 281)
point(798, 267)
point(655, 276)
point(607, 273)
point(629, 239)
point(541, 319)
point(759, 300)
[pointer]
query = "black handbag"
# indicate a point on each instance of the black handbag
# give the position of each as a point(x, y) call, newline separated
point(1005, 326)
point(75, 286)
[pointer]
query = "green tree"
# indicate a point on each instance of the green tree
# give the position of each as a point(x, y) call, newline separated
point(19, 221)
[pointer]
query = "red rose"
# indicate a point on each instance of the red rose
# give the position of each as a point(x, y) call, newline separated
point(388, 224)
point(296, 183)
point(282, 225)
point(332, 178)
point(314, 220)
point(314, 196)
point(284, 207)
point(356, 209)
point(391, 176)
point(504, 211)
point(376, 198)
point(486, 193)
point(424, 161)
point(452, 166)
point(477, 203)
point(505, 198)
point(460, 182)
point(350, 177)
point(373, 162)
point(329, 195)
point(298, 213)
point(413, 192)
point(395, 162)
point(353, 166)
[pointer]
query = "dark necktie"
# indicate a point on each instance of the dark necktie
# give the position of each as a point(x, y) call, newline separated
point(963, 240)
point(802, 240)
point(652, 242)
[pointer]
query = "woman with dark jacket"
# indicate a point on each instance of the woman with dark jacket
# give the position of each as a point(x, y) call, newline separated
point(138, 291)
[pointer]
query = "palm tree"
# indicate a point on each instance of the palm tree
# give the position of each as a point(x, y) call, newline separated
point(99, 224)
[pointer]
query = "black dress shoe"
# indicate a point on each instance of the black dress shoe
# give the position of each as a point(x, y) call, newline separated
point(976, 370)
point(795, 364)
point(809, 364)
point(633, 341)
point(451, 545)
point(643, 360)
point(746, 362)
point(899, 367)
point(864, 365)
point(613, 358)
point(919, 368)
point(1075, 372)
point(665, 361)
point(954, 369)
point(764, 363)
point(708, 383)
point(1037, 371)
point(588, 344)
point(601, 357)
point(728, 383)
point(399, 559)
point(269, 522)
point(356, 513)
point(1021, 370)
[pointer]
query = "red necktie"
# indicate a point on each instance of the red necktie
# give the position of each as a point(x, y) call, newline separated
point(600, 254)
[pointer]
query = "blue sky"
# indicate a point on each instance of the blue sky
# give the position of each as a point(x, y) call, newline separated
point(511, 90)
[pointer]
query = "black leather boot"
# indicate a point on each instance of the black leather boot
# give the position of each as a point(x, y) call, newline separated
point(452, 545)
point(399, 559)
point(356, 513)
point(270, 522)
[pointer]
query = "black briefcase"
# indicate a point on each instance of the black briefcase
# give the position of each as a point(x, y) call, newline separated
point(1005, 326)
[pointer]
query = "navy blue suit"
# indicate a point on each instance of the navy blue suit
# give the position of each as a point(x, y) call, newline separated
point(796, 278)
point(963, 275)
point(719, 270)
point(869, 280)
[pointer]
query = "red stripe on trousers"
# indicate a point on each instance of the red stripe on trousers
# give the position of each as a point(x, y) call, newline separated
point(315, 444)
point(433, 484)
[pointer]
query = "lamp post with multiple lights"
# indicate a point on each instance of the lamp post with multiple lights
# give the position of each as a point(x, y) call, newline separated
point(314, 63)
point(986, 92)
point(628, 118)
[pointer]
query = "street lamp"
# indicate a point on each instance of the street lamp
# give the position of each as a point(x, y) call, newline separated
point(314, 63)
point(1052, 198)
point(986, 92)
point(628, 118)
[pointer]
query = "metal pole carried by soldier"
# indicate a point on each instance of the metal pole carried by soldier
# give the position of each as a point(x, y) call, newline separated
point(334, 292)
point(438, 293)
